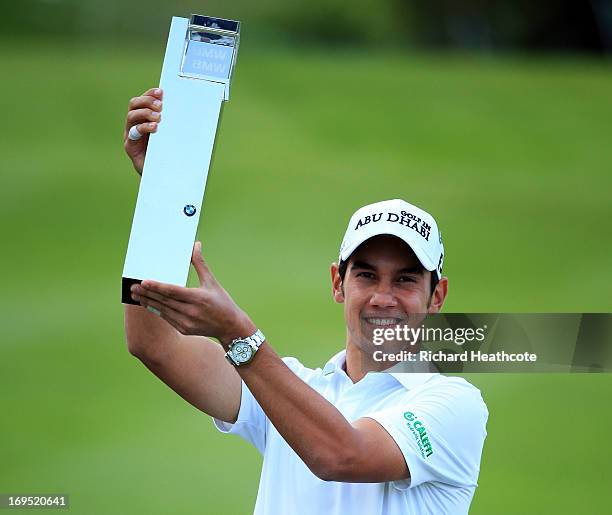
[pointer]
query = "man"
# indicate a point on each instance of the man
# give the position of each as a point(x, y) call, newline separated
point(345, 439)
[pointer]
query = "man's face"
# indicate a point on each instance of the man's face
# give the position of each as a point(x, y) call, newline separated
point(385, 286)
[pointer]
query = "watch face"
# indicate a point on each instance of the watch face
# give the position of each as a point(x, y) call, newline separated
point(242, 352)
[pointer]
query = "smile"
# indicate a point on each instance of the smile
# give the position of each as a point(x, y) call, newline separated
point(382, 321)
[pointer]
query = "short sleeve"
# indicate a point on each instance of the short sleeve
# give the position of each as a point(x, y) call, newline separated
point(441, 433)
point(251, 421)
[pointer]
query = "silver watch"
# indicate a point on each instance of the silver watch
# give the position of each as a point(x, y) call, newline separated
point(242, 350)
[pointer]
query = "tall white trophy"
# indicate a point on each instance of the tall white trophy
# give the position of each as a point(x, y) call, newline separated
point(198, 65)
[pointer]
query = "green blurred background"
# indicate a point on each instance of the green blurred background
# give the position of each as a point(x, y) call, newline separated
point(496, 117)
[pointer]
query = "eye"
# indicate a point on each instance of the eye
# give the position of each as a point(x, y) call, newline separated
point(365, 275)
point(406, 279)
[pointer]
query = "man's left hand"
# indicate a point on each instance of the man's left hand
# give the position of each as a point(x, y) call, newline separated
point(206, 311)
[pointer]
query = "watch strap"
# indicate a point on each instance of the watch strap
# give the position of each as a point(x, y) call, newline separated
point(255, 340)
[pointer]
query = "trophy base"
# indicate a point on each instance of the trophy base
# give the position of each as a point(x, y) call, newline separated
point(126, 294)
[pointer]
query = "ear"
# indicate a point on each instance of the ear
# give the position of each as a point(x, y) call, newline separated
point(439, 295)
point(337, 290)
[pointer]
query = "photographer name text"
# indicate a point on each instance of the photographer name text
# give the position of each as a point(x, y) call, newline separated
point(465, 357)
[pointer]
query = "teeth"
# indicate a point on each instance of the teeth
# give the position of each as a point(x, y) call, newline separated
point(382, 321)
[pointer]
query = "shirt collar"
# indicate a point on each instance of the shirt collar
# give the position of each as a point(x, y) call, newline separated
point(409, 375)
point(336, 362)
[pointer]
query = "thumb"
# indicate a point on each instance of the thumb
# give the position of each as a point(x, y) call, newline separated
point(198, 262)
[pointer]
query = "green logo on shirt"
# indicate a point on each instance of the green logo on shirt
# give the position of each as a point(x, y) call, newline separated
point(420, 433)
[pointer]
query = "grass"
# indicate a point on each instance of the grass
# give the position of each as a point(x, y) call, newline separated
point(511, 155)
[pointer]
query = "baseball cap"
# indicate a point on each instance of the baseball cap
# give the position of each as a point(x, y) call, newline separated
point(397, 218)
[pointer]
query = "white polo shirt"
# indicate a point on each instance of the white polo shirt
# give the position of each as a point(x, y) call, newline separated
point(438, 422)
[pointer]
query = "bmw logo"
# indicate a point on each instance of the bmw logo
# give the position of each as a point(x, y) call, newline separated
point(189, 210)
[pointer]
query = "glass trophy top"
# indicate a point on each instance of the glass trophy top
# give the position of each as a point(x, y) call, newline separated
point(198, 20)
point(211, 45)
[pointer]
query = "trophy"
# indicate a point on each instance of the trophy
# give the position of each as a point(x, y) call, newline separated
point(196, 73)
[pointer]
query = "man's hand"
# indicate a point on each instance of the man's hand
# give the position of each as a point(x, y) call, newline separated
point(205, 311)
point(144, 112)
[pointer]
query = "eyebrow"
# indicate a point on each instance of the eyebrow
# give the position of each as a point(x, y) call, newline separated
point(412, 270)
point(362, 265)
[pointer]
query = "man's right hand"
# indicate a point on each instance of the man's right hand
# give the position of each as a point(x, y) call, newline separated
point(145, 113)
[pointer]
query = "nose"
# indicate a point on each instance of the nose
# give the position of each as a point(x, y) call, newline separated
point(383, 297)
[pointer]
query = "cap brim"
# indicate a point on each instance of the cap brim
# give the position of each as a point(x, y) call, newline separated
point(413, 243)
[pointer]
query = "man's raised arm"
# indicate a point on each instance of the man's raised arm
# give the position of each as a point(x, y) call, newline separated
point(330, 446)
point(193, 366)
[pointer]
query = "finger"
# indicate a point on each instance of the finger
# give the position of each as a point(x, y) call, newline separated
point(141, 115)
point(176, 305)
point(170, 291)
point(155, 92)
point(142, 128)
point(197, 259)
point(145, 101)
point(175, 319)
point(153, 310)
point(134, 134)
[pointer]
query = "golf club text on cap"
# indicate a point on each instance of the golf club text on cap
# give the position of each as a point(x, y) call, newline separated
point(397, 218)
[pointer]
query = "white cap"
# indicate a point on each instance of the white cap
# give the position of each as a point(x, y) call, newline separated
point(397, 218)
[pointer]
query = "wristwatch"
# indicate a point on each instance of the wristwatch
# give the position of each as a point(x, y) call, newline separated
point(242, 350)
